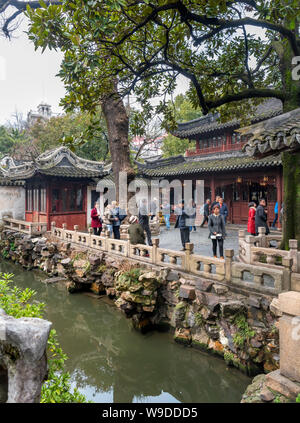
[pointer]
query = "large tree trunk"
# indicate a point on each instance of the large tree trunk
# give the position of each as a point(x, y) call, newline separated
point(291, 180)
point(118, 126)
point(290, 160)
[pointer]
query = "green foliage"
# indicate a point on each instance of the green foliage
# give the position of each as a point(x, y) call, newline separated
point(229, 357)
point(20, 303)
point(10, 139)
point(130, 276)
point(244, 333)
point(150, 44)
point(298, 399)
point(172, 146)
point(199, 319)
point(82, 133)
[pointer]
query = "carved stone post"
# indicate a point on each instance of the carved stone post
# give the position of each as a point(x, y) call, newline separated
point(293, 254)
point(262, 237)
point(189, 247)
point(287, 271)
point(228, 264)
point(155, 243)
point(53, 225)
point(75, 234)
point(64, 227)
point(90, 232)
point(249, 243)
point(287, 379)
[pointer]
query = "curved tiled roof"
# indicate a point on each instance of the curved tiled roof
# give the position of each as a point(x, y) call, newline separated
point(59, 162)
point(274, 135)
point(209, 123)
point(187, 166)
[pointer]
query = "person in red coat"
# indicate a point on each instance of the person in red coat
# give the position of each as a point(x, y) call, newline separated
point(96, 220)
point(251, 218)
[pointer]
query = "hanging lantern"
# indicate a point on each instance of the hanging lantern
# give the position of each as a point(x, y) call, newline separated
point(266, 178)
point(239, 180)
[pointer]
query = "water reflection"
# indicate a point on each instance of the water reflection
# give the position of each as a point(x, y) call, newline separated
point(109, 361)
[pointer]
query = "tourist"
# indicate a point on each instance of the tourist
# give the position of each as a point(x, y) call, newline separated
point(281, 213)
point(251, 218)
point(108, 219)
point(223, 209)
point(214, 203)
point(216, 226)
point(144, 219)
point(153, 208)
point(182, 224)
point(96, 219)
point(276, 215)
point(118, 216)
point(136, 231)
point(261, 217)
point(191, 210)
point(165, 208)
point(205, 212)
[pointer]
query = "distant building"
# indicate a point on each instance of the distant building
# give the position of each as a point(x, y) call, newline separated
point(149, 149)
point(43, 112)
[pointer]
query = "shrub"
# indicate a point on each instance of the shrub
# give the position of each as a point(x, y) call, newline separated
point(18, 303)
point(244, 333)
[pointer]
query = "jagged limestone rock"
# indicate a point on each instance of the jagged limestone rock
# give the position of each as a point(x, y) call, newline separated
point(23, 345)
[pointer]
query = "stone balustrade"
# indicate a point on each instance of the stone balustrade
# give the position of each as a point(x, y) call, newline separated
point(30, 228)
point(259, 250)
point(264, 278)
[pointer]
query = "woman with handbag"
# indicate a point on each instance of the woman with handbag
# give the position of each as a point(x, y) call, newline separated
point(217, 233)
point(96, 219)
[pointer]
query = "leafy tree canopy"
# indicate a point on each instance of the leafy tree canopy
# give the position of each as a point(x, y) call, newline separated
point(146, 45)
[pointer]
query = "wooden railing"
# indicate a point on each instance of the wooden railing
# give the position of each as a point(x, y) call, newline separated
point(30, 228)
point(260, 278)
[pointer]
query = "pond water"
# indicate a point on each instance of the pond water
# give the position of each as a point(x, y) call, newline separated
point(110, 362)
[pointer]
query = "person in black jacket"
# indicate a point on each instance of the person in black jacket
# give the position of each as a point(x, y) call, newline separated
point(205, 212)
point(144, 219)
point(261, 217)
point(217, 233)
point(182, 222)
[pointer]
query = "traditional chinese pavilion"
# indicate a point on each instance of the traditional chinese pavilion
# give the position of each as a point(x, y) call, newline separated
point(220, 161)
point(56, 186)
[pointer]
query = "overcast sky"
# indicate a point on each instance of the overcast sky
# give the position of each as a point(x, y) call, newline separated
point(28, 77)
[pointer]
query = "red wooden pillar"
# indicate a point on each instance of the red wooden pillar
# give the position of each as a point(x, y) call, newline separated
point(48, 205)
point(212, 188)
point(197, 145)
point(279, 185)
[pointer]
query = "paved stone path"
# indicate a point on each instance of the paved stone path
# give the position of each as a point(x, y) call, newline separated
point(202, 244)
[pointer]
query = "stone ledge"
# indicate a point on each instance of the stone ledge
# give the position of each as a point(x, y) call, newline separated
point(289, 303)
point(279, 383)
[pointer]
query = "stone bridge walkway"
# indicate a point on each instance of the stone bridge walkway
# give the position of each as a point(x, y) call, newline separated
point(202, 244)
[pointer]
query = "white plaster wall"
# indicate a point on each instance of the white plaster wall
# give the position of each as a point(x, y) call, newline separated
point(12, 202)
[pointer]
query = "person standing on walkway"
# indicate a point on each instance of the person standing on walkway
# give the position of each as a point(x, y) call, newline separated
point(251, 218)
point(217, 232)
point(136, 231)
point(153, 208)
point(261, 217)
point(144, 219)
point(214, 203)
point(96, 222)
point(165, 208)
point(205, 212)
point(108, 219)
point(117, 217)
point(223, 209)
point(192, 209)
point(276, 216)
point(182, 224)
